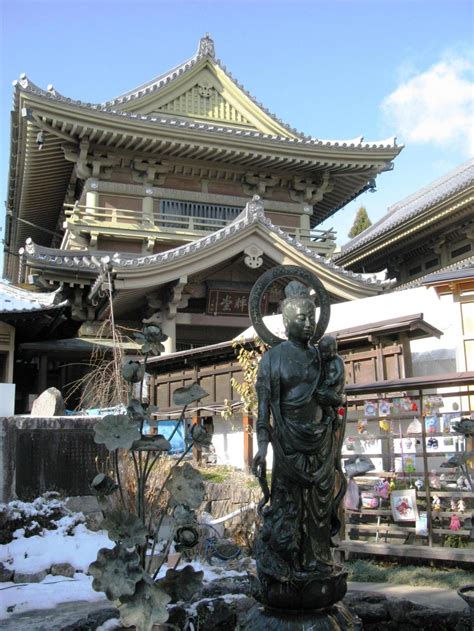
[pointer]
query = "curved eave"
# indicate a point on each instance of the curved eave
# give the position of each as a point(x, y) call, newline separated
point(347, 287)
point(149, 271)
point(89, 118)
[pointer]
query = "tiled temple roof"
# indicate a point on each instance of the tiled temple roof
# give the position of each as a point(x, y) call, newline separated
point(18, 300)
point(425, 198)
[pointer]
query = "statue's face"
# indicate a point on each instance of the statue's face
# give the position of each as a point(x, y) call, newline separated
point(299, 320)
point(327, 350)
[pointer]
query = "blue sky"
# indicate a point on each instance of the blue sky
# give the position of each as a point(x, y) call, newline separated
point(334, 69)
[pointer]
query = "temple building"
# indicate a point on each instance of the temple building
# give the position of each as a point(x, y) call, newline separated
point(170, 200)
point(431, 231)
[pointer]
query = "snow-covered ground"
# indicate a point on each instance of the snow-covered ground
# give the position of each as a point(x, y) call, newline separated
point(40, 552)
point(53, 590)
point(71, 543)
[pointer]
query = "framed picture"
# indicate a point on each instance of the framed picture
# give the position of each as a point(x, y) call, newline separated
point(403, 504)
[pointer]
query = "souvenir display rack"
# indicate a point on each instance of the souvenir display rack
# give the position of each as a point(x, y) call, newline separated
point(410, 502)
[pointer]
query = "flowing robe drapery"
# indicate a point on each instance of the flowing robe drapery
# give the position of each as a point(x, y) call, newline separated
point(296, 534)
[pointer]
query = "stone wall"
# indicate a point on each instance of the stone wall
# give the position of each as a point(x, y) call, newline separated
point(47, 454)
point(227, 497)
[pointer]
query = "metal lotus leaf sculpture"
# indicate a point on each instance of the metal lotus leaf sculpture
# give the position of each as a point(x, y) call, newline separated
point(116, 431)
point(133, 371)
point(151, 339)
point(464, 426)
point(136, 411)
point(102, 485)
point(459, 459)
point(188, 394)
point(200, 437)
point(186, 537)
point(152, 443)
point(116, 572)
point(145, 608)
point(185, 485)
point(183, 515)
point(358, 465)
point(226, 550)
point(182, 584)
point(125, 528)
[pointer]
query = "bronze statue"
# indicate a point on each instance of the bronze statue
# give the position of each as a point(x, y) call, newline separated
point(300, 391)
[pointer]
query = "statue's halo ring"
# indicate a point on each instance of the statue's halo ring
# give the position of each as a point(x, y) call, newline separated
point(262, 285)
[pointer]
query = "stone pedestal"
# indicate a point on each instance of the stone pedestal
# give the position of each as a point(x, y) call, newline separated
point(306, 591)
point(335, 618)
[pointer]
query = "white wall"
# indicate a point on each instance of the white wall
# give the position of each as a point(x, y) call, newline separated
point(430, 356)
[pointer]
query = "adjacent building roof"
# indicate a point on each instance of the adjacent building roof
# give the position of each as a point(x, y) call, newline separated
point(409, 215)
point(414, 326)
point(15, 300)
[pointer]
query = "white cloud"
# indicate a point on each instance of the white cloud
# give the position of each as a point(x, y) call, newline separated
point(436, 106)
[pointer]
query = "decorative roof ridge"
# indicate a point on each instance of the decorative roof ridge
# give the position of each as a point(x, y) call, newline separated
point(359, 141)
point(427, 197)
point(421, 280)
point(205, 51)
point(175, 121)
point(252, 213)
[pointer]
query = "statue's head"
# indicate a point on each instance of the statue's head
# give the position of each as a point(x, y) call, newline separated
point(298, 311)
point(327, 347)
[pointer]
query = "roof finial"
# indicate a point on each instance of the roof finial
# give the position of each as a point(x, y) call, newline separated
point(206, 46)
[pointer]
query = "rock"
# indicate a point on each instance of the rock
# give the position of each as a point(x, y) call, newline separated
point(220, 587)
point(62, 569)
point(82, 504)
point(49, 403)
point(178, 617)
point(5, 574)
point(369, 606)
point(93, 620)
point(35, 577)
point(94, 521)
point(216, 615)
point(433, 619)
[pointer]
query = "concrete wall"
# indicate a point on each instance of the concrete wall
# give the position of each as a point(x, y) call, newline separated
point(44, 454)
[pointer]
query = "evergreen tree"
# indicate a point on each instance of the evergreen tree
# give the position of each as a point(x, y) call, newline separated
point(361, 222)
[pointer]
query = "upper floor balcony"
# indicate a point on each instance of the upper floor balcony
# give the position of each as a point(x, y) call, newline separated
point(170, 223)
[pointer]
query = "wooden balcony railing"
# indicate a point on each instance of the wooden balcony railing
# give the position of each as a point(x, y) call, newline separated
point(81, 219)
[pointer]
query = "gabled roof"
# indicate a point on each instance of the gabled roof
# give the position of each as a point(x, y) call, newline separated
point(250, 228)
point(202, 88)
point(458, 180)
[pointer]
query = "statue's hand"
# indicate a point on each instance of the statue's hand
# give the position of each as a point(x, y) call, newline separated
point(259, 465)
point(329, 397)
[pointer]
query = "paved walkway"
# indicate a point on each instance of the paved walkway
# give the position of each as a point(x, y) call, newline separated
point(53, 619)
point(429, 596)
point(68, 613)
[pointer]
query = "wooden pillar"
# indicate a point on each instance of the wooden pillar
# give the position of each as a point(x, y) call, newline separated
point(247, 426)
point(42, 373)
point(407, 363)
point(92, 201)
point(152, 390)
point(147, 211)
point(197, 453)
point(168, 326)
